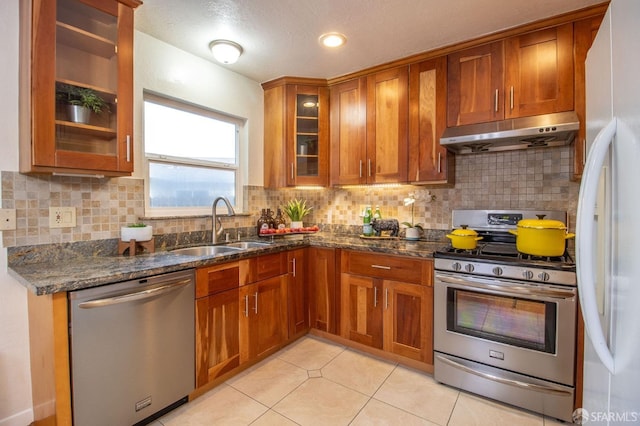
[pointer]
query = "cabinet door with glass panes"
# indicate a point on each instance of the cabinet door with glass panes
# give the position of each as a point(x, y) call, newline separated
point(307, 136)
point(81, 87)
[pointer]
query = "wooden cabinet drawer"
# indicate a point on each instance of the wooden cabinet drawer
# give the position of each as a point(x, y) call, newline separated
point(410, 270)
point(269, 265)
point(218, 278)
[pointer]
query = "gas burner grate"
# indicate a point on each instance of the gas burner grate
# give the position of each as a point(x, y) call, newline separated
point(565, 258)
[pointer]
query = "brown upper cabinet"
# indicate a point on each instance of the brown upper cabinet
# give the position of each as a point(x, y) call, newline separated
point(524, 75)
point(86, 46)
point(369, 128)
point(429, 162)
point(296, 138)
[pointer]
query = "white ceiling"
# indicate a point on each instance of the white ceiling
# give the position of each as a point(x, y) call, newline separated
point(280, 37)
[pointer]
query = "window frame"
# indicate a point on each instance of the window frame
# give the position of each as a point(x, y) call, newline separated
point(148, 158)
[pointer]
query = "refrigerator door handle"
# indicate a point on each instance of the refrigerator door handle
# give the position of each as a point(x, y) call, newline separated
point(584, 239)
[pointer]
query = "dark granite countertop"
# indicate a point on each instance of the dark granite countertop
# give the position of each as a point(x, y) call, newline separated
point(58, 275)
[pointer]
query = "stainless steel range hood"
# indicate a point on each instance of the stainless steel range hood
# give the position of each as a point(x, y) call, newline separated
point(518, 133)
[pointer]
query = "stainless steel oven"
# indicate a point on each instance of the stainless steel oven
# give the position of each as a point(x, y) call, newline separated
point(505, 324)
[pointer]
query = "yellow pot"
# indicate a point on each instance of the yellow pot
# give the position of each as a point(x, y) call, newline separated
point(464, 239)
point(541, 237)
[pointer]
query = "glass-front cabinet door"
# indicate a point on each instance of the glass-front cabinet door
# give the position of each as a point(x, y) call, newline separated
point(308, 151)
point(81, 87)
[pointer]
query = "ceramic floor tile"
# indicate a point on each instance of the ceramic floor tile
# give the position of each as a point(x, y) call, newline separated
point(419, 394)
point(310, 353)
point(378, 413)
point(270, 381)
point(471, 410)
point(222, 405)
point(321, 402)
point(357, 371)
point(271, 418)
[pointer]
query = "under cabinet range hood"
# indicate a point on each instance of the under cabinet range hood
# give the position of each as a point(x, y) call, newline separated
point(518, 133)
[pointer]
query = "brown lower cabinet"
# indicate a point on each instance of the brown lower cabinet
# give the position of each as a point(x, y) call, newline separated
point(297, 292)
point(241, 313)
point(387, 303)
point(323, 295)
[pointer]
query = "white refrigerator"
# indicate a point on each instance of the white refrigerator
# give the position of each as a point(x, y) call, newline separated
point(608, 223)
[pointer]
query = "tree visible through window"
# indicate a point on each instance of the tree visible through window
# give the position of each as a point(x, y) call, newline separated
point(192, 155)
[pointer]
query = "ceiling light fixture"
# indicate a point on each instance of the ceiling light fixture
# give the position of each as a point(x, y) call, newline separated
point(225, 51)
point(333, 39)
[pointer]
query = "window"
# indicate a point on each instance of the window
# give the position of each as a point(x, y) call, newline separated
point(192, 157)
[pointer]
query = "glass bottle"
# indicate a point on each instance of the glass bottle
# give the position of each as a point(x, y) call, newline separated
point(367, 229)
point(377, 214)
point(279, 220)
point(263, 223)
point(270, 219)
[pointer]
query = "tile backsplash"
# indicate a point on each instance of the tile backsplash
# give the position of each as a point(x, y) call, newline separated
point(525, 179)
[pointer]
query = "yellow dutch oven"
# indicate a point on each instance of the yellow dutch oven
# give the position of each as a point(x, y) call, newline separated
point(465, 239)
point(541, 237)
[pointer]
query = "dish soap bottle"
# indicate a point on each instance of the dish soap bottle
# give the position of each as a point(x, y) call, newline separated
point(377, 214)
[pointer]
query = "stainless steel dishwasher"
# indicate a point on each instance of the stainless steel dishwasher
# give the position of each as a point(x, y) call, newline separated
point(132, 349)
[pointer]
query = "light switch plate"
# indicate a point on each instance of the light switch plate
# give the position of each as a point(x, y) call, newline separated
point(62, 217)
point(7, 219)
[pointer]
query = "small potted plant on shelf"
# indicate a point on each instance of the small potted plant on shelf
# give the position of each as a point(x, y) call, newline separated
point(413, 229)
point(296, 210)
point(81, 102)
point(136, 231)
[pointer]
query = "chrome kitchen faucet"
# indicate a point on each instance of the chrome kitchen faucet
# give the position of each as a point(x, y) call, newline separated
point(216, 220)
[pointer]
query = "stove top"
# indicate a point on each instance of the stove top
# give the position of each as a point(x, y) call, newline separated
point(496, 254)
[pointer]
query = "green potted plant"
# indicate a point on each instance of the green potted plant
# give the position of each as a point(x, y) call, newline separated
point(296, 210)
point(81, 102)
point(413, 229)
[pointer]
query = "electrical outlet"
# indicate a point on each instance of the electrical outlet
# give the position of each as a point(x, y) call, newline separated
point(7, 219)
point(62, 217)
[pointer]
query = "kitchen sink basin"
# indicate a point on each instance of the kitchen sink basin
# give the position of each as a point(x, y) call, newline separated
point(247, 244)
point(207, 250)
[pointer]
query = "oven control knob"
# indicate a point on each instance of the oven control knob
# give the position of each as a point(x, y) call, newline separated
point(468, 267)
point(527, 275)
point(543, 276)
point(497, 271)
point(456, 266)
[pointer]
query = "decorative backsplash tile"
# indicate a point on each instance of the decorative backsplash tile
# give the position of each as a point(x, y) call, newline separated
point(526, 179)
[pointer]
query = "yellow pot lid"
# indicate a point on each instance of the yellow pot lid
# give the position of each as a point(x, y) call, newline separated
point(541, 223)
point(464, 232)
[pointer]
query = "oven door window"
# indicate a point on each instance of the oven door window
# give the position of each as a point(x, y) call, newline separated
point(514, 321)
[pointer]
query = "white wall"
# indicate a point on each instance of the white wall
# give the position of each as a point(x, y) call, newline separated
point(164, 69)
point(158, 67)
point(15, 376)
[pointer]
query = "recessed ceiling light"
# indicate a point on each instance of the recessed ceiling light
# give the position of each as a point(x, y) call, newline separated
point(333, 39)
point(225, 51)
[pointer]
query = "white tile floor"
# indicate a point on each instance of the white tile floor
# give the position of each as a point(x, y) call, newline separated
point(315, 382)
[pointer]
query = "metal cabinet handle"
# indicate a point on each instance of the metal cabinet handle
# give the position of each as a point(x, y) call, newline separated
point(292, 177)
point(439, 162)
point(495, 100)
point(360, 168)
point(511, 97)
point(130, 297)
point(381, 267)
point(246, 305)
point(256, 304)
point(386, 298)
point(128, 148)
point(293, 271)
point(584, 151)
point(375, 297)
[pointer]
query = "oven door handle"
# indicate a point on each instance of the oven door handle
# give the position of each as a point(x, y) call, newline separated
point(509, 289)
point(503, 380)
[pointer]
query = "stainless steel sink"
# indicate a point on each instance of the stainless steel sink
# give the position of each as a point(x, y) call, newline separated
point(247, 244)
point(207, 250)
